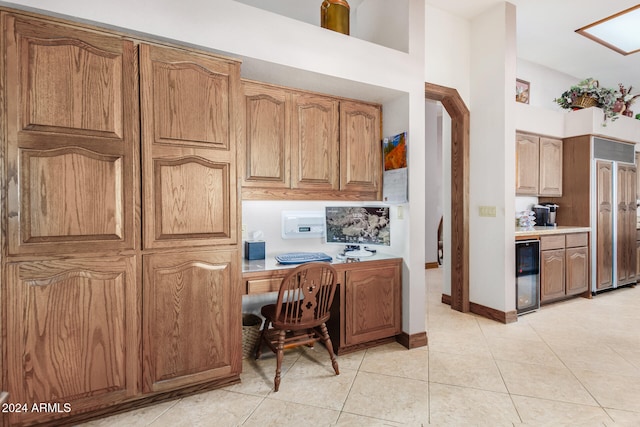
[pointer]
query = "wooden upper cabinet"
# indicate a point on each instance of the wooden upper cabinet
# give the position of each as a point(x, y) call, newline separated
point(314, 137)
point(191, 330)
point(550, 167)
point(360, 147)
point(189, 147)
point(72, 130)
point(527, 164)
point(538, 166)
point(266, 147)
point(72, 333)
point(307, 146)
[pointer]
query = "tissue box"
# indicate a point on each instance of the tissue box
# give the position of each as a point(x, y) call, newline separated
point(254, 250)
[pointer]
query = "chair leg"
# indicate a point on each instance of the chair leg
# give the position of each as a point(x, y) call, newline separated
point(279, 357)
point(326, 339)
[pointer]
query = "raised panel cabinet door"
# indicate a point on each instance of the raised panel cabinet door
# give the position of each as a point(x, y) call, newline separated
point(552, 274)
point(550, 167)
point(527, 164)
point(191, 319)
point(266, 143)
point(372, 308)
point(72, 333)
point(360, 148)
point(626, 223)
point(72, 138)
point(577, 278)
point(604, 224)
point(314, 142)
point(189, 127)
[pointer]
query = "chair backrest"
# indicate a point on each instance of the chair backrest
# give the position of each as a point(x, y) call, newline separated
point(306, 295)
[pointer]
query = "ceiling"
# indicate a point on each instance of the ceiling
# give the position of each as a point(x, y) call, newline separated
point(546, 35)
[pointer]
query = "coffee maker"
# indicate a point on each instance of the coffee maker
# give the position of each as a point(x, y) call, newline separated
point(553, 209)
point(546, 214)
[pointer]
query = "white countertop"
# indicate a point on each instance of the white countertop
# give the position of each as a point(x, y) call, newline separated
point(559, 229)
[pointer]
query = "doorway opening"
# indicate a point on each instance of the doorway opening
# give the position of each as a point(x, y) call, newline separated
point(458, 246)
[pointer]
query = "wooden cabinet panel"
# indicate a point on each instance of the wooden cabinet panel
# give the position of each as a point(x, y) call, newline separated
point(314, 142)
point(577, 239)
point(372, 304)
point(577, 263)
point(266, 148)
point(360, 147)
point(552, 274)
point(604, 221)
point(192, 330)
point(72, 130)
point(527, 164)
point(626, 224)
point(72, 332)
point(190, 196)
point(550, 167)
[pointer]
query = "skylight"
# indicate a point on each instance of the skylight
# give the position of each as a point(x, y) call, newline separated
point(620, 32)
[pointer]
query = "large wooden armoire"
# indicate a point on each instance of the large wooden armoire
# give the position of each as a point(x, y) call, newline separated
point(120, 257)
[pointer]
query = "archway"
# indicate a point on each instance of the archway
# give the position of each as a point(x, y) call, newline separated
point(459, 113)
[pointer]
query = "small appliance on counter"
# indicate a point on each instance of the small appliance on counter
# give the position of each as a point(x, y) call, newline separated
point(553, 208)
point(546, 214)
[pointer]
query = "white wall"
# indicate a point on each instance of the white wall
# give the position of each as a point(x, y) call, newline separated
point(492, 154)
point(307, 56)
point(546, 84)
point(447, 51)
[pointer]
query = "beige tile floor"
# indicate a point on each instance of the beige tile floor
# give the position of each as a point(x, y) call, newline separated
point(574, 363)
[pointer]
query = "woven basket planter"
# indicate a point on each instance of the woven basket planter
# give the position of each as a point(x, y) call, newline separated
point(250, 333)
point(584, 101)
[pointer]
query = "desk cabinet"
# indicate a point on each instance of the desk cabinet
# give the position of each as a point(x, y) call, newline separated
point(370, 306)
point(367, 308)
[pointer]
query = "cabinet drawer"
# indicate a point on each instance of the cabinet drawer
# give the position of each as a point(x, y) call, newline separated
point(260, 286)
point(552, 242)
point(576, 240)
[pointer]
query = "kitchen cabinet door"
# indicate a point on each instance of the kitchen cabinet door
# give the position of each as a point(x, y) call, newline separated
point(552, 274)
point(577, 267)
point(189, 148)
point(372, 305)
point(72, 130)
point(550, 167)
point(527, 164)
point(265, 151)
point(360, 148)
point(626, 223)
point(191, 319)
point(604, 224)
point(314, 142)
point(72, 333)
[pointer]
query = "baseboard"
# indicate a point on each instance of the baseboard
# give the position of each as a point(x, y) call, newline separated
point(428, 265)
point(413, 341)
point(487, 312)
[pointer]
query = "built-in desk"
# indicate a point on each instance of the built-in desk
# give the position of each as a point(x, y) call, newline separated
point(367, 308)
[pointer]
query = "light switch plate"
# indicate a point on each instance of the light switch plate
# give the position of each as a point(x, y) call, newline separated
point(488, 211)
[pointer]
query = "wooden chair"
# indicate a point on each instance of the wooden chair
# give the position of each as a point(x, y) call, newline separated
point(440, 243)
point(299, 316)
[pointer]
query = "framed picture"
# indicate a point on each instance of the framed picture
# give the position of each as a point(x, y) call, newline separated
point(522, 91)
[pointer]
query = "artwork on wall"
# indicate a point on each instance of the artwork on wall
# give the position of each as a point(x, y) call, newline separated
point(522, 91)
point(395, 177)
